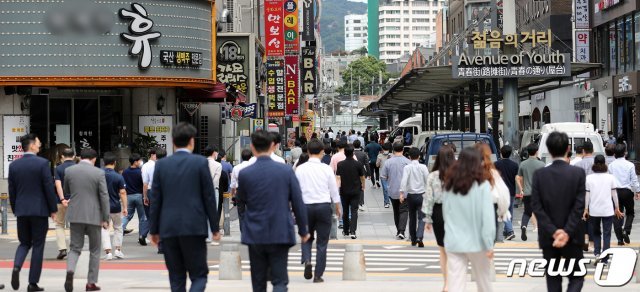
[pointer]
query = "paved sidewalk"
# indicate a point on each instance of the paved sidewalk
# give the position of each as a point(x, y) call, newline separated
point(141, 281)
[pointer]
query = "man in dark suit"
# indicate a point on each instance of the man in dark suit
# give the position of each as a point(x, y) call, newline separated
point(181, 205)
point(267, 226)
point(33, 199)
point(559, 207)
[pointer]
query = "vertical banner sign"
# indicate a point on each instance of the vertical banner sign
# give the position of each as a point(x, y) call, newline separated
point(582, 46)
point(582, 14)
point(308, 71)
point(292, 71)
point(308, 20)
point(291, 27)
point(274, 27)
point(14, 128)
point(158, 127)
point(500, 15)
point(275, 87)
point(233, 64)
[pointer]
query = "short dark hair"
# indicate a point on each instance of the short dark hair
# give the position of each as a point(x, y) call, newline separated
point(261, 141)
point(210, 149)
point(315, 147)
point(357, 144)
point(109, 158)
point(620, 150)
point(276, 138)
point(579, 149)
point(387, 146)
point(587, 146)
point(152, 151)
point(414, 153)
point(506, 151)
point(348, 151)
point(610, 149)
point(532, 149)
point(160, 153)
point(304, 148)
point(557, 144)
point(610, 133)
point(133, 158)
point(398, 147)
point(297, 143)
point(88, 153)
point(599, 164)
point(327, 149)
point(341, 145)
point(27, 140)
point(182, 133)
point(67, 153)
point(246, 154)
point(222, 153)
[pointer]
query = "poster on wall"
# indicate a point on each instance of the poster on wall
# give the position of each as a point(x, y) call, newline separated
point(14, 128)
point(292, 73)
point(158, 127)
point(274, 27)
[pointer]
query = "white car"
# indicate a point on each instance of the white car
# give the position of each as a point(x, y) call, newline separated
point(578, 133)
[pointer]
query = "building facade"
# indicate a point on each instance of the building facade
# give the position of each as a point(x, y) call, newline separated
point(101, 75)
point(355, 31)
point(405, 25)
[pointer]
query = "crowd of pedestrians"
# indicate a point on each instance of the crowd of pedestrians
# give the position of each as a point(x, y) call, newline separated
point(466, 200)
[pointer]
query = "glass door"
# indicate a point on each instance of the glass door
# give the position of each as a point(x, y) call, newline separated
point(86, 131)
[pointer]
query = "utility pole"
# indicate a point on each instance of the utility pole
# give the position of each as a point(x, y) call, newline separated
point(351, 95)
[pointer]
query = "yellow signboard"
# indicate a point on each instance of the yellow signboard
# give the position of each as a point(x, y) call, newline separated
point(495, 39)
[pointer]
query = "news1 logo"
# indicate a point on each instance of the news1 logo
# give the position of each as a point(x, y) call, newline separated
point(621, 263)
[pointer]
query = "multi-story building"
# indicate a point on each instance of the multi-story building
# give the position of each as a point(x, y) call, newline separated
point(355, 31)
point(405, 25)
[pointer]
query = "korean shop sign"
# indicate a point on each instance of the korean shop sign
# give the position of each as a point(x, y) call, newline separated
point(291, 36)
point(292, 71)
point(495, 39)
point(522, 65)
point(181, 58)
point(276, 87)
point(274, 27)
point(308, 71)
point(140, 33)
point(233, 62)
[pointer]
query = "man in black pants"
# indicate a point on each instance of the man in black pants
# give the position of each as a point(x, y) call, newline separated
point(625, 173)
point(350, 177)
point(558, 207)
point(525, 174)
point(392, 173)
point(319, 188)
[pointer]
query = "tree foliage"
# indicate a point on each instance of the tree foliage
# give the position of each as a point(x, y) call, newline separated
point(361, 51)
point(365, 69)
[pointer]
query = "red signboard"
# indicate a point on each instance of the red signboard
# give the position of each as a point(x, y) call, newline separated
point(292, 70)
point(291, 31)
point(274, 27)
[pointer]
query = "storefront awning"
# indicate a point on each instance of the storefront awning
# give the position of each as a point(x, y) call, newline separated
point(423, 85)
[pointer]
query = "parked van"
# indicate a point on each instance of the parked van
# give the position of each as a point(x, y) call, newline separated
point(460, 140)
point(577, 132)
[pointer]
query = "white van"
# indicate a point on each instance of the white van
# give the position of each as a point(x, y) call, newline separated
point(413, 123)
point(577, 132)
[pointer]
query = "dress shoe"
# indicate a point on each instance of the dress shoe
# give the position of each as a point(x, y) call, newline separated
point(92, 287)
point(68, 283)
point(318, 280)
point(142, 241)
point(127, 231)
point(62, 254)
point(420, 243)
point(1, 286)
point(308, 273)
point(15, 279)
point(34, 288)
point(626, 238)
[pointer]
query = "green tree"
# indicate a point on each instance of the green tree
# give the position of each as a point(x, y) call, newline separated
point(364, 69)
point(361, 51)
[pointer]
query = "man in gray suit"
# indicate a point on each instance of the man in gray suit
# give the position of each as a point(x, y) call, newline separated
point(88, 211)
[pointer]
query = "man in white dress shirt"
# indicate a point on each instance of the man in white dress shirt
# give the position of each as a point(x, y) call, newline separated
point(215, 169)
point(319, 189)
point(147, 180)
point(625, 172)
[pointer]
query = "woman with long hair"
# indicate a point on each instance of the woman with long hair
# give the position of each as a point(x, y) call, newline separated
point(469, 221)
point(432, 206)
point(601, 204)
point(499, 190)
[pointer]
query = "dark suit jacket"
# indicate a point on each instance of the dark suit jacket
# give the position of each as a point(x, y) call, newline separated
point(266, 190)
point(31, 188)
point(557, 199)
point(183, 198)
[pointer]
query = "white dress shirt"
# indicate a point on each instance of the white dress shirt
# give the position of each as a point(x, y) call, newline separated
point(236, 172)
point(317, 182)
point(147, 173)
point(215, 168)
point(414, 178)
point(625, 172)
point(273, 156)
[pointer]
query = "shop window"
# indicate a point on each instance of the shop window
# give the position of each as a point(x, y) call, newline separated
point(546, 115)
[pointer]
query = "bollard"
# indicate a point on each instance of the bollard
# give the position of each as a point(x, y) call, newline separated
point(334, 223)
point(5, 210)
point(353, 265)
point(230, 263)
point(638, 267)
point(82, 268)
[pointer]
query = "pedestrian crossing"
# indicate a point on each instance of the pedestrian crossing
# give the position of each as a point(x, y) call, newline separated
point(407, 259)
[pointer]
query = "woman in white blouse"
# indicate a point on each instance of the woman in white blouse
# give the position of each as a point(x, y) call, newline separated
point(601, 204)
point(432, 203)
